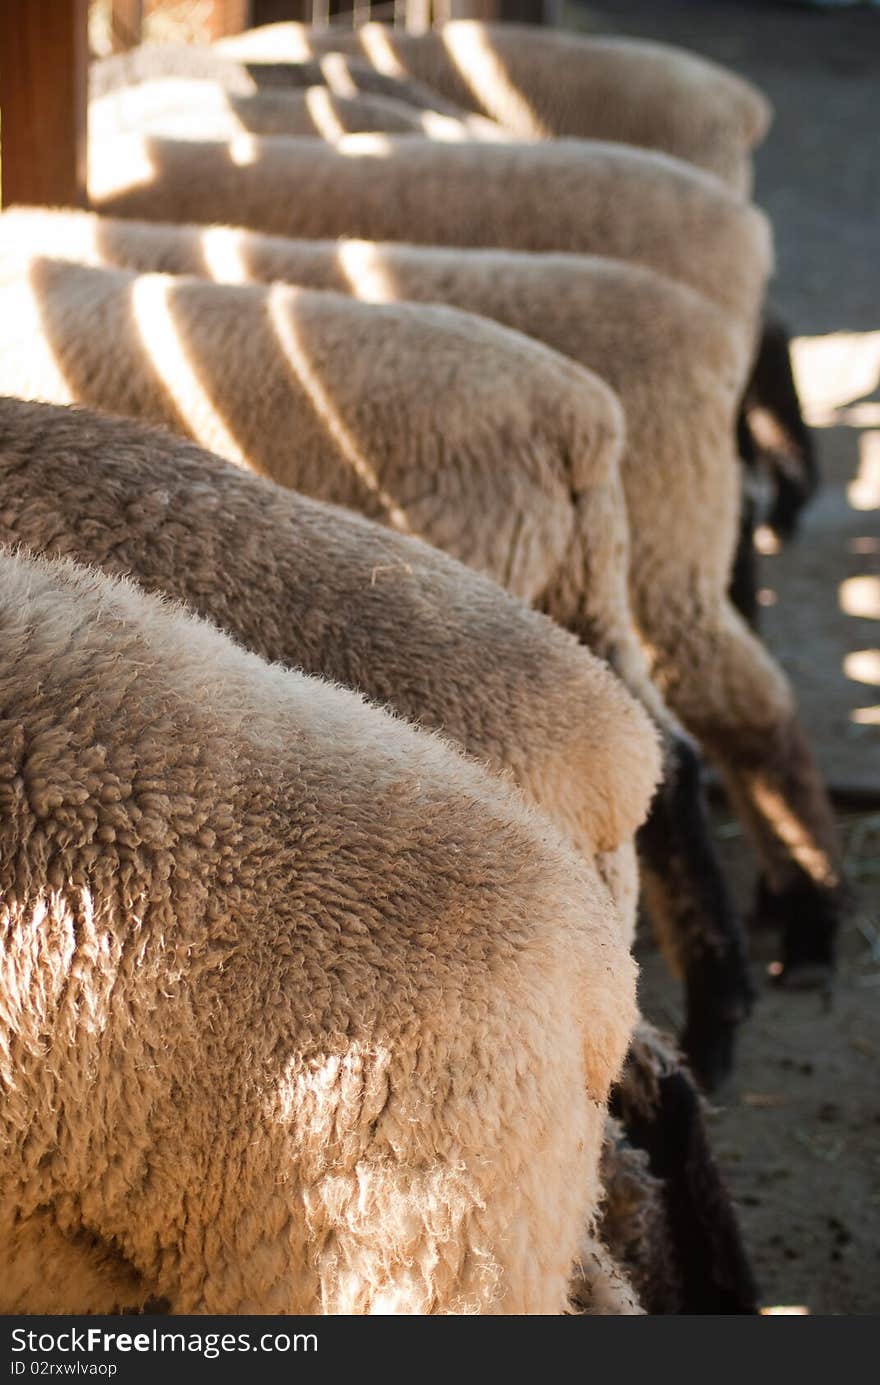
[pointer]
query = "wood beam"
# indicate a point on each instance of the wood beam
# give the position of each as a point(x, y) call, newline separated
point(43, 94)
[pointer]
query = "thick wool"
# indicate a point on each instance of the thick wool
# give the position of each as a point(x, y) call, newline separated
point(190, 109)
point(323, 590)
point(335, 595)
point(543, 83)
point(288, 987)
point(508, 462)
point(122, 74)
point(438, 424)
point(678, 370)
point(579, 196)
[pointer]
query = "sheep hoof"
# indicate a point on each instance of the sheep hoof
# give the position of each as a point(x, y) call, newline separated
point(783, 519)
point(719, 996)
point(809, 976)
point(808, 917)
point(710, 1049)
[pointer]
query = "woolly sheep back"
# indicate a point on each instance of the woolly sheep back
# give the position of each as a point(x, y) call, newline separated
point(547, 83)
point(160, 788)
point(348, 77)
point(571, 195)
point(319, 588)
point(185, 109)
point(431, 420)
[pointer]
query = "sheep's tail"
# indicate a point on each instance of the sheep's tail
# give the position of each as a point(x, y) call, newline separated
point(662, 1113)
point(772, 431)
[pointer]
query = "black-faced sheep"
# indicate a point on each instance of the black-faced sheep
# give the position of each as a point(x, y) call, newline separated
point(487, 444)
point(326, 591)
point(288, 987)
point(542, 83)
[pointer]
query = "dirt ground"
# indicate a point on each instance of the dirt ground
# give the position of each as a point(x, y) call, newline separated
point(798, 1130)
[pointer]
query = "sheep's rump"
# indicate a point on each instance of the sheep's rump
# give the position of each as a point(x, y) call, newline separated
point(319, 588)
point(255, 925)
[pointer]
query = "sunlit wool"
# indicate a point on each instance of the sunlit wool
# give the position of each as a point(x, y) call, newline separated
point(544, 83)
point(288, 991)
point(582, 196)
point(678, 368)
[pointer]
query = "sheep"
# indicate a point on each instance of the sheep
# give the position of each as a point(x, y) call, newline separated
point(542, 83)
point(346, 78)
point(641, 93)
point(678, 371)
point(339, 597)
point(288, 987)
point(772, 429)
point(493, 448)
point(573, 195)
point(197, 109)
point(311, 585)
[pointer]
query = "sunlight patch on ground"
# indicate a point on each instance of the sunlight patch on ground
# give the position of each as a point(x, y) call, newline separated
point(864, 492)
point(833, 371)
point(860, 596)
point(863, 666)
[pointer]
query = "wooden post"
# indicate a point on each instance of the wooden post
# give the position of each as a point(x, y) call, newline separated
point(474, 9)
point(271, 11)
point(228, 17)
point(524, 11)
point(126, 24)
point(44, 62)
point(509, 11)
